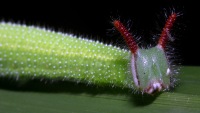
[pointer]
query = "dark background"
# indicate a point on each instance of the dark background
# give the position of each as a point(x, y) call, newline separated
point(93, 20)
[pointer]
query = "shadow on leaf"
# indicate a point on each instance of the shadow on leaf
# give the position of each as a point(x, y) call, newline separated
point(49, 86)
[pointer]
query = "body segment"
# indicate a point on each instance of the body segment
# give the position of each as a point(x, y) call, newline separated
point(29, 52)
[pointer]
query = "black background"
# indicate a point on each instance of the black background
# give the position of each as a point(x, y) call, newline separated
point(93, 20)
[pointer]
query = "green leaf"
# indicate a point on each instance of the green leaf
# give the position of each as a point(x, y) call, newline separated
point(38, 96)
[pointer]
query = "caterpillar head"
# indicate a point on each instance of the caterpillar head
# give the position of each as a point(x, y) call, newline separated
point(150, 68)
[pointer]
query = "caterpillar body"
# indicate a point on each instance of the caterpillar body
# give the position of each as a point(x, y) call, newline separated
point(31, 52)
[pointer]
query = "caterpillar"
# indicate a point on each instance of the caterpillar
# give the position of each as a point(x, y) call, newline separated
point(31, 52)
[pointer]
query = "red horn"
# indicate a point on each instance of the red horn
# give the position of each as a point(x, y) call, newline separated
point(127, 36)
point(164, 37)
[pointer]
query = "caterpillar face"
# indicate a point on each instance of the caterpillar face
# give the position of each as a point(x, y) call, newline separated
point(150, 68)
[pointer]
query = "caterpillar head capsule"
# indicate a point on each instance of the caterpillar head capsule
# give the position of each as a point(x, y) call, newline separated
point(150, 68)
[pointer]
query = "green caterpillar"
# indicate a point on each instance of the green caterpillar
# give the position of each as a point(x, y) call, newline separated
point(31, 52)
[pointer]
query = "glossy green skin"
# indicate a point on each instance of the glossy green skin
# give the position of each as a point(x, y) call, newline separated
point(30, 52)
point(152, 66)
